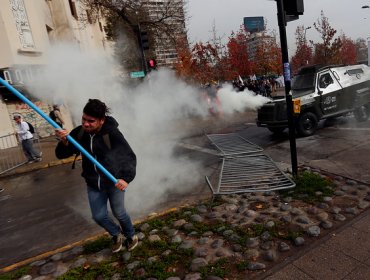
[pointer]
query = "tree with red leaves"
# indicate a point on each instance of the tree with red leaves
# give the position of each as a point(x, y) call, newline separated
point(327, 52)
point(348, 52)
point(205, 57)
point(237, 59)
point(198, 64)
point(303, 54)
point(184, 66)
point(267, 58)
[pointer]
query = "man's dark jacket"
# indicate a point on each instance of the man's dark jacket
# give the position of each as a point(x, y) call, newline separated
point(119, 159)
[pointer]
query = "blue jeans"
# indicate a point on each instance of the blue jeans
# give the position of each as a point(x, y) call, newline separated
point(29, 150)
point(98, 205)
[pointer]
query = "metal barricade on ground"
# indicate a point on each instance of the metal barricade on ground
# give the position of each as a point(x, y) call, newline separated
point(11, 153)
point(245, 168)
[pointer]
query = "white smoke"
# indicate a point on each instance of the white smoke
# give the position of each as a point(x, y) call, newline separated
point(239, 101)
point(149, 115)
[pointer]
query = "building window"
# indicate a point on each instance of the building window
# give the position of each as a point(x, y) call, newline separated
point(49, 31)
point(89, 16)
point(72, 6)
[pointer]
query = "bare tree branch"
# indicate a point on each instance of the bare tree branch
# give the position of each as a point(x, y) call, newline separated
point(165, 19)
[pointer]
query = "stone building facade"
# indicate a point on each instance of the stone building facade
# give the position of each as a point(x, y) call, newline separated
point(165, 49)
point(28, 28)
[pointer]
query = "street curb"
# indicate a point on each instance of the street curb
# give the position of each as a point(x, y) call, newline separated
point(39, 167)
point(79, 243)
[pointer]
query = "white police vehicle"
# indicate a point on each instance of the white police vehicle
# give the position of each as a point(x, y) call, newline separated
point(320, 92)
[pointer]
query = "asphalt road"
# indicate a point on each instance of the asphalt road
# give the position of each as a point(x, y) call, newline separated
point(48, 209)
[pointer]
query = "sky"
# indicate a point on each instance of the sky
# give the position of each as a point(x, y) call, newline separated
point(345, 16)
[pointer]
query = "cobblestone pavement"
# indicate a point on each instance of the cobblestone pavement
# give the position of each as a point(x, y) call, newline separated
point(212, 233)
point(295, 240)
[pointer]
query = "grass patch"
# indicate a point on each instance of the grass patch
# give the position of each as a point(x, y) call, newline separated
point(97, 245)
point(150, 249)
point(310, 187)
point(202, 227)
point(170, 218)
point(158, 270)
point(291, 235)
point(219, 268)
point(15, 274)
point(241, 266)
point(102, 270)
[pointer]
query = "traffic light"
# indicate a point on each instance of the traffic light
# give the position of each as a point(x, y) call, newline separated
point(293, 7)
point(152, 64)
point(144, 40)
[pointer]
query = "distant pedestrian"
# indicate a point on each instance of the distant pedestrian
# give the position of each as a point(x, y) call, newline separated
point(26, 138)
point(56, 115)
point(100, 136)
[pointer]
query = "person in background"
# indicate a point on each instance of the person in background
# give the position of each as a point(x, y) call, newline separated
point(100, 136)
point(26, 138)
point(56, 116)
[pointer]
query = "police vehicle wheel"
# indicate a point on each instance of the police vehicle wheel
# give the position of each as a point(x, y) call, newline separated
point(276, 130)
point(362, 113)
point(307, 124)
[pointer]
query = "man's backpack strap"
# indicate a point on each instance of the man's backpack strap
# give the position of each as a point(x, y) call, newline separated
point(106, 140)
point(79, 137)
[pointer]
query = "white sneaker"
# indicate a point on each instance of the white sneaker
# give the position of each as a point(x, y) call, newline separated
point(131, 243)
point(117, 243)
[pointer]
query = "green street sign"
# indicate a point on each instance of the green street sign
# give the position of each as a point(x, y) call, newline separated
point(138, 74)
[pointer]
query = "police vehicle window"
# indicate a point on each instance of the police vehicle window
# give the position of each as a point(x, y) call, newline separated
point(325, 80)
point(303, 82)
point(355, 71)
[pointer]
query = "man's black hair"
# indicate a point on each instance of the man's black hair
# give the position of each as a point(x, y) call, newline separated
point(95, 108)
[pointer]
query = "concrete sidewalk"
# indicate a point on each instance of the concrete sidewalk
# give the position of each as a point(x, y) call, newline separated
point(343, 254)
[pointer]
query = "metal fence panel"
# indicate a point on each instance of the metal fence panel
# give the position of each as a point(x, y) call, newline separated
point(250, 174)
point(245, 168)
point(11, 154)
point(233, 144)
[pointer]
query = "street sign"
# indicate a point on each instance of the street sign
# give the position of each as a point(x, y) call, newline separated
point(138, 74)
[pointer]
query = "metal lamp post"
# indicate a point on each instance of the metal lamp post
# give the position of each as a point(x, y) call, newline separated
point(368, 39)
point(305, 31)
point(368, 51)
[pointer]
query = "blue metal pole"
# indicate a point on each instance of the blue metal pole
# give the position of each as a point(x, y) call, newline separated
point(55, 125)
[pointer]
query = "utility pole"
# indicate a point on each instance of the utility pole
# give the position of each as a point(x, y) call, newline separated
point(290, 12)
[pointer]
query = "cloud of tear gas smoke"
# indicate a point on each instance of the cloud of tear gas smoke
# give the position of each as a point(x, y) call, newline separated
point(239, 101)
point(149, 117)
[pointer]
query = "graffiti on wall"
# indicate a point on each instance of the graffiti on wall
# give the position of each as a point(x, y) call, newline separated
point(42, 127)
